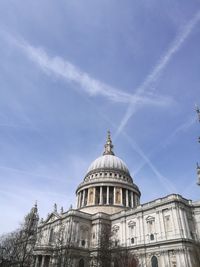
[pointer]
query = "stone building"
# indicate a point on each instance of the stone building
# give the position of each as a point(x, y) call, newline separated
point(162, 233)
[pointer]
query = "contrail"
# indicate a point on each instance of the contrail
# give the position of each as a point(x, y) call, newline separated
point(83, 81)
point(158, 69)
point(167, 184)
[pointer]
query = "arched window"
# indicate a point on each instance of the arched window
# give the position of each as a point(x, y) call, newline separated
point(132, 240)
point(133, 263)
point(151, 236)
point(154, 261)
point(51, 236)
point(81, 263)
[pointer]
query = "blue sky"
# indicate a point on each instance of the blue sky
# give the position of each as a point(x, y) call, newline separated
point(71, 70)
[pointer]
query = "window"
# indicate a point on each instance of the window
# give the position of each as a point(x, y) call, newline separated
point(83, 243)
point(51, 236)
point(151, 236)
point(150, 224)
point(132, 240)
point(81, 263)
point(167, 223)
point(154, 261)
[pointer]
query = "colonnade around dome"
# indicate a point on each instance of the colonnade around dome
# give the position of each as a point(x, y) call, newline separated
point(107, 195)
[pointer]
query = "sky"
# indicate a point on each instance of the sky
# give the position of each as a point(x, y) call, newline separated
point(72, 69)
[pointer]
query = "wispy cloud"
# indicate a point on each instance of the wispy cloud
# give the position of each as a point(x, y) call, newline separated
point(72, 74)
point(15, 170)
point(181, 128)
point(166, 183)
point(147, 85)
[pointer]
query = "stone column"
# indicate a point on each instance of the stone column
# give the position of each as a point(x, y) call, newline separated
point(136, 200)
point(121, 201)
point(36, 261)
point(188, 235)
point(114, 197)
point(79, 198)
point(77, 201)
point(132, 204)
point(126, 198)
point(176, 225)
point(178, 220)
point(139, 233)
point(107, 200)
point(162, 224)
point(173, 222)
point(180, 210)
point(77, 232)
point(43, 259)
point(101, 196)
point(122, 234)
point(94, 196)
point(159, 226)
point(83, 199)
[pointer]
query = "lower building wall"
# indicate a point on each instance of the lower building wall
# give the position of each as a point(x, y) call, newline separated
point(157, 257)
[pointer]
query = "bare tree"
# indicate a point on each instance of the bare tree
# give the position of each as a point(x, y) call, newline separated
point(110, 253)
point(123, 257)
point(104, 246)
point(17, 247)
point(64, 247)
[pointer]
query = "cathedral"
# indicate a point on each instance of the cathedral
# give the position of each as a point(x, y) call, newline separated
point(162, 233)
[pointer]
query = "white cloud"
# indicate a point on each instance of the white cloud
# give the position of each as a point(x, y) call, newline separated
point(70, 73)
point(158, 69)
point(91, 86)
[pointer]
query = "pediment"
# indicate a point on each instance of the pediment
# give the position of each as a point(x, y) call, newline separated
point(131, 223)
point(115, 228)
point(150, 218)
point(52, 217)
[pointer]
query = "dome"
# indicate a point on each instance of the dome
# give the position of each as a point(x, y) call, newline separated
point(108, 162)
point(107, 186)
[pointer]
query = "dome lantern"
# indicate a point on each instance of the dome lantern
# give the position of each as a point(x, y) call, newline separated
point(108, 146)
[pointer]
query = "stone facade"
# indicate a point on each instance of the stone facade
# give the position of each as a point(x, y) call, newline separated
point(163, 233)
